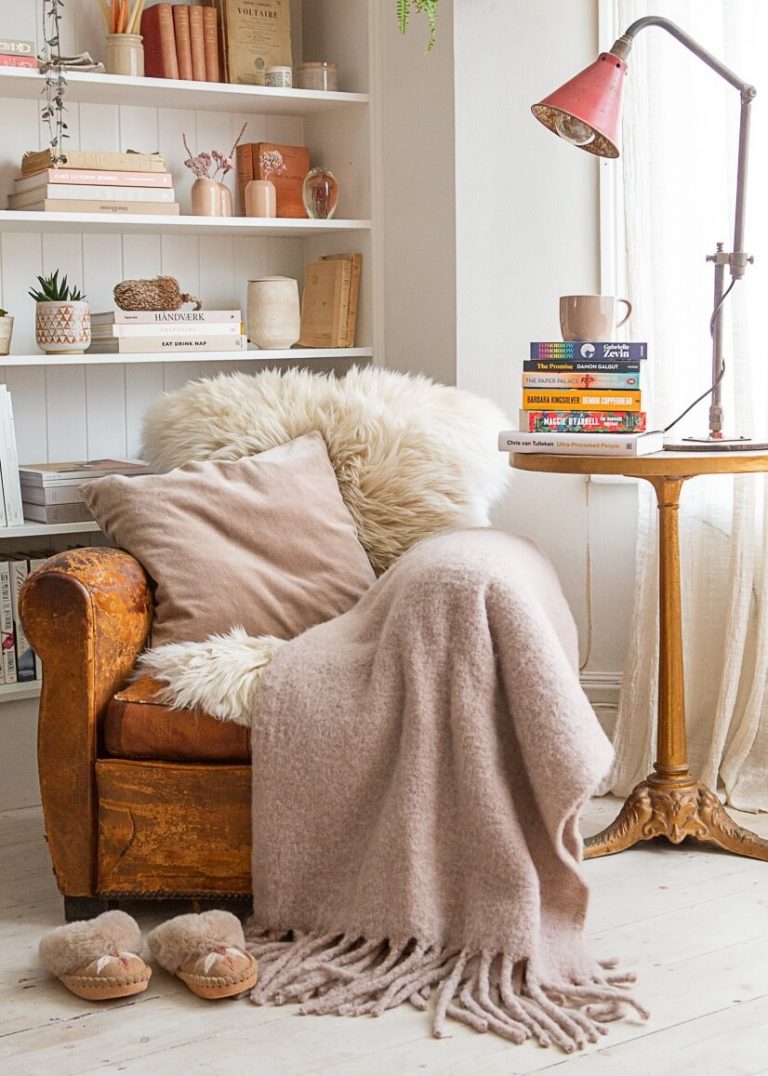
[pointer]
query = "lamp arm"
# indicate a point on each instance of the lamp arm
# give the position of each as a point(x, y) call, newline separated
point(737, 261)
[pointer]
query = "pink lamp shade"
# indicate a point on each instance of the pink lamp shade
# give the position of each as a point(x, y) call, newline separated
point(586, 111)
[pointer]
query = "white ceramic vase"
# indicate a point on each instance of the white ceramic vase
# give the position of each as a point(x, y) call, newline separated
point(6, 331)
point(63, 328)
point(274, 315)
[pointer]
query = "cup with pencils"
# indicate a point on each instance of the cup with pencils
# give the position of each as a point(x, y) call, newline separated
point(125, 49)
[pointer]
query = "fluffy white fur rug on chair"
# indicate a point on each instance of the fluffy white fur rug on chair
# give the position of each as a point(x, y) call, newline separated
point(411, 457)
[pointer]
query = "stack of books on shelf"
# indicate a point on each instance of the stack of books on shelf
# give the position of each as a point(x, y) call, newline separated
point(182, 41)
point(134, 332)
point(15, 53)
point(93, 182)
point(329, 301)
point(583, 398)
point(51, 492)
point(18, 662)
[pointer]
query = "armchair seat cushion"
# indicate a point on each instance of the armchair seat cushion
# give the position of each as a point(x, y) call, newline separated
point(136, 726)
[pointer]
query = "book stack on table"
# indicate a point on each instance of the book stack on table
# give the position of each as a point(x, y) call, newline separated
point(583, 398)
point(134, 332)
point(51, 492)
point(118, 183)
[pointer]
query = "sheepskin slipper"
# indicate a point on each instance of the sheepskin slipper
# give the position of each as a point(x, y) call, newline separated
point(207, 952)
point(97, 959)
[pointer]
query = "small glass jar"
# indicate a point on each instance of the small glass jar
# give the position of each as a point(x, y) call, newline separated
point(279, 76)
point(317, 76)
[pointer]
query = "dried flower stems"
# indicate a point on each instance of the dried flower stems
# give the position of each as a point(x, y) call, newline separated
point(200, 163)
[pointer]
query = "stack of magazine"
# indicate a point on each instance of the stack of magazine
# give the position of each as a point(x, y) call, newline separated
point(51, 492)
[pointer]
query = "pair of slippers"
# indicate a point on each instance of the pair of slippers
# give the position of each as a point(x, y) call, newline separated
point(100, 958)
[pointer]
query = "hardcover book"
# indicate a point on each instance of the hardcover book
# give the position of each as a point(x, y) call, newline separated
point(566, 366)
point(211, 44)
point(166, 317)
point(37, 160)
point(94, 205)
point(583, 444)
point(583, 421)
point(157, 29)
point(356, 266)
point(86, 192)
point(619, 351)
point(161, 330)
point(580, 400)
point(18, 61)
point(45, 474)
point(78, 177)
point(183, 40)
point(63, 494)
point(197, 43)
point(57, 513)
point(325, 304)
point(139, 345)
point(285, 166)
point(581, 381)
point(256, 34)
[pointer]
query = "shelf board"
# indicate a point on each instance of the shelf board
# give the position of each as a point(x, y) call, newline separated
point(97, 358)
point(92, 88)
point(28, 529)
point(268, 227)
point(30, 689)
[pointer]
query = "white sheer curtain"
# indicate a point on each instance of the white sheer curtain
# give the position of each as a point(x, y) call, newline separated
point(678, 176)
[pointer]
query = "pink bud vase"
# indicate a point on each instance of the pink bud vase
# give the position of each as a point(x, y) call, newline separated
point(227, 208)
point(260, 198)
point(206, 198)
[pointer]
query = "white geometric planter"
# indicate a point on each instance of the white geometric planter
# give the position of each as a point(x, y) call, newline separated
point(63, 328)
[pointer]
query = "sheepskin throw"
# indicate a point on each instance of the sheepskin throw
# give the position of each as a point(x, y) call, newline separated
point(411, 457)
point(418, 768)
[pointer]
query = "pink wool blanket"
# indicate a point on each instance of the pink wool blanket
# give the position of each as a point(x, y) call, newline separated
point(419, 765)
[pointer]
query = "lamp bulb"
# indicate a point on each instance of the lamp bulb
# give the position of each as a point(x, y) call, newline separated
point(574, 131)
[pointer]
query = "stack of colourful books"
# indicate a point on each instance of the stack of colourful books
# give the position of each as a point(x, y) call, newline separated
point(133, 332)
point(578, 396)
point(95, 182)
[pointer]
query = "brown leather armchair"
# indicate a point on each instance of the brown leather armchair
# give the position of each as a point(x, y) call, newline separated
point(140, 801)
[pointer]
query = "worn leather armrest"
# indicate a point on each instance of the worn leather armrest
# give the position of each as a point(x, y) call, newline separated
point(87, 614)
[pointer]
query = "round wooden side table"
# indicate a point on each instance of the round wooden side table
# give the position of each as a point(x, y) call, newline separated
point(670, 802)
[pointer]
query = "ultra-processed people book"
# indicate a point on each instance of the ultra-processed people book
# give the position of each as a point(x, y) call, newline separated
point(583, 444)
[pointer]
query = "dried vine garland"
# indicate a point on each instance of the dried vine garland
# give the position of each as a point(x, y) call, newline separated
point(428, 7)
point(55, 83)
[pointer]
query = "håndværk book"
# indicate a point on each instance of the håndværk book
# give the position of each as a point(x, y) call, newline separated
point(255, 35)
point(94, 177)
point(286, 167)
point(72, 191)
point(583, 444)
point(325, 304)
point(581, 381)
point(7, 640)
point(52, 474)
point(160, 59)
point(94, 205)
point(567, 367)
point(38, 160)
point(161, 331)
point(140, 345)
point(166, 317)
point(581, 400)
point(583, 421)
point(596, 351)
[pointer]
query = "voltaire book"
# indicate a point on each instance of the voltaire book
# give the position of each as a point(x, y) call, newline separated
point(256, 35)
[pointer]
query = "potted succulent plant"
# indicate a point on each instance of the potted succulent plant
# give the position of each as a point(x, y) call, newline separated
point(62, 317)
point(6, 330)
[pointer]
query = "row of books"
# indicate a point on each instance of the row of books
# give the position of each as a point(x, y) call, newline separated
point(16, 53)
point(583, 397)
point(329, 301)
point(18, 661)
point(95, 183)
point(52, 492)
point(133, 332)
point(181, 41)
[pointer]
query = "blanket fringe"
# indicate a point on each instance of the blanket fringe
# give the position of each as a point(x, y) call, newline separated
point(486, 990)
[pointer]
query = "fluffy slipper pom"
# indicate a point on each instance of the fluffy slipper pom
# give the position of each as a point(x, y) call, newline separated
point(75, 945)
point(187, 936)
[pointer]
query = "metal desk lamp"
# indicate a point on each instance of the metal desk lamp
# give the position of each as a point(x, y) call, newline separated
point(586, 111)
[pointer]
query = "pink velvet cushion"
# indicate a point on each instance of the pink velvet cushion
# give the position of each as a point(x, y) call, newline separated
point(265, 541)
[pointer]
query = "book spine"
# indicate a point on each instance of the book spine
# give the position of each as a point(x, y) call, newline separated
point(51, 494)
point(591, 350)
point(183, 40)
point(57, 513)
point(211, 42)
point(77, 205)
point(581, 381)
point(7, 640)
point(9, 462)
point(94, 177)
point(25, 655)
point(583, 421)
point(342, 310)
point(85, 191)
point(139, 345)
point(197, 39)
point(183, 330)
point(18, 61)
point(556, 366)
point(10, 46)
point(580, 400)
point(582, 444)
point(159, 42)
point(167, 317)
point(245, 164)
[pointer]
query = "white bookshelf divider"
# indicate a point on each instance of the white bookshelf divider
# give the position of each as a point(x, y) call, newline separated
point(344, 354)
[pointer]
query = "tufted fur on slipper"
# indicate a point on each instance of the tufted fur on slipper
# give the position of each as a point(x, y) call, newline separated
point(68, 948)
point(187, 936)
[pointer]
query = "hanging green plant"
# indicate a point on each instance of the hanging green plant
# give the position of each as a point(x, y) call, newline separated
point(55, 83)
point(428, 7)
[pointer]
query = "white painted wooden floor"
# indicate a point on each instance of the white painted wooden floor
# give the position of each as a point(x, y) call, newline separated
point(693, 923)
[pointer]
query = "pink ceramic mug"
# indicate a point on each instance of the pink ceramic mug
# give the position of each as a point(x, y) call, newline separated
point(591, 317)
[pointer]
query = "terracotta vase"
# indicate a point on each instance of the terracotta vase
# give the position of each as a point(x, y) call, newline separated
point(274, 315)
point(206, 198)
point(63, 328)
point(260, 198)
point(225, 197)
